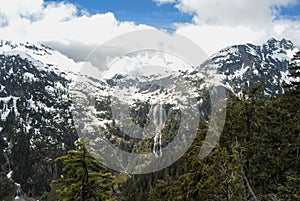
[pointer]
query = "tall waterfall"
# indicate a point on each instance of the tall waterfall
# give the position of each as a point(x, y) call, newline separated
point(159, 116)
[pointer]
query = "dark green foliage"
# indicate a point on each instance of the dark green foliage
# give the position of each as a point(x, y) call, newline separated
point(36, 123)
point(294, 68)
point(51, 195)
point(139, 113)
point(7, 188)
point(85, 177)
point(218, 177)
point(258, 157)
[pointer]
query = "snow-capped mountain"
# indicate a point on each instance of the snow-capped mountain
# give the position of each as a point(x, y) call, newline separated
point(36, 122)
point(148, 94)
point(242, 66)
point(41, 91)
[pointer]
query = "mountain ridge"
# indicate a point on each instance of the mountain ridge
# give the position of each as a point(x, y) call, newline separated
point(37, 96)
point(243, 66)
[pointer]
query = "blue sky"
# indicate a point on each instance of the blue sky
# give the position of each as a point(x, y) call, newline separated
point(139, 11)
point(150, 13)
point(291, 11)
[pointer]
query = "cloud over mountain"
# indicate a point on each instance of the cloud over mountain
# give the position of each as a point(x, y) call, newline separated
point(216, 24)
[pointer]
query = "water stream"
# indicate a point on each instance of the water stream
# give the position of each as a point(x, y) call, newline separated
point(159, 116)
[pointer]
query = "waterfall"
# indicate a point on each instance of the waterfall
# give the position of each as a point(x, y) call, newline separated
point(159, 116)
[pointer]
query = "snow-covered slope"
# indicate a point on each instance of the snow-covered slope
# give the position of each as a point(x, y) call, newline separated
point(43, 57)
point(242, 66)
point(36, 120)
point(41, 91)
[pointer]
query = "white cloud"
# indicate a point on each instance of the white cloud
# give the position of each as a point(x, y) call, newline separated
point(212, 38)
point(37, 21)
point(233, 12)
point(60, 24)
point(219, 23)
point(288, 29)
point(14, 8)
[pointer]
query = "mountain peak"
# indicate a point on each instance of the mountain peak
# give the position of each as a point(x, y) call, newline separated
point(273, 43)
point(287, 43)
point(242, 66)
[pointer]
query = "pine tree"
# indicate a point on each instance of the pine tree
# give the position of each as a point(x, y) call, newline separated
point(290, 151)
point(86, 178)
point(294, 69)
point(258, 157)
point(217, 177)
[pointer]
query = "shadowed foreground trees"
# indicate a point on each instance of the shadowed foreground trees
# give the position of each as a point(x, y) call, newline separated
point(85, 177)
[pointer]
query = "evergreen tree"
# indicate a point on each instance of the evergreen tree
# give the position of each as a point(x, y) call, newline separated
point(258, 157)
point(290, 150)
point(294, 68)
point(86, 178)
point(217, 177)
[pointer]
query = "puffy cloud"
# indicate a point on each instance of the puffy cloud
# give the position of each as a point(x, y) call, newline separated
point(40, 23)
point(212, 38)
point(288, 29)
point(234, 12)
point(78, 37)
point(15, 8)
point(61, 25)
point(59, 21)
point(219, 23)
